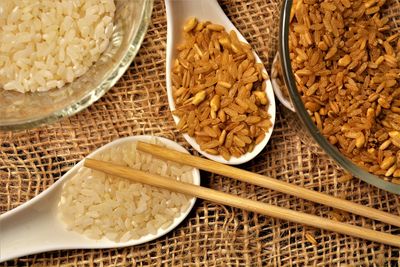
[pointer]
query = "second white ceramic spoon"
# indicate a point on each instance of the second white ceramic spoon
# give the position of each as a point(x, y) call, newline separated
point(178, 12)
point(35, 227)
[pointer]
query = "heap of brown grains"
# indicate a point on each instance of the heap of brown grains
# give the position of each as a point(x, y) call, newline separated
point(346, 61)
point(219, 91)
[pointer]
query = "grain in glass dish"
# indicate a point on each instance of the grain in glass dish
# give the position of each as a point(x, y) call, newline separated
point(219, 91)
point(345, 57)
point(45, 44)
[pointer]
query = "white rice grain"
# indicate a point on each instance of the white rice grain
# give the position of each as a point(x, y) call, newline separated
point(100, 206)
point(45, 44)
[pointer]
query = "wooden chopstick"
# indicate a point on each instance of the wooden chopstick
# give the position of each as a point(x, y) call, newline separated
point(268, 182)
point(242, 203)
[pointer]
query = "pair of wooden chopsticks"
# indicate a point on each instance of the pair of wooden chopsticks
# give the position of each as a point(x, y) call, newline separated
point(251, 205)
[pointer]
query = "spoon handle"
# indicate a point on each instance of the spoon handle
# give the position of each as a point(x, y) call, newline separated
point(30, 228)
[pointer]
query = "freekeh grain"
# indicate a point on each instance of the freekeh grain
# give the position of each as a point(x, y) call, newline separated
point(219, 91)
point(346, 62)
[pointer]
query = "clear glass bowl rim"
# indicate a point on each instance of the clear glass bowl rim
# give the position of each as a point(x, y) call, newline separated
point(306, 119)
point(95, 94)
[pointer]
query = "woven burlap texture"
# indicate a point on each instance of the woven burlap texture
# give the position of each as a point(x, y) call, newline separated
point(212, 235)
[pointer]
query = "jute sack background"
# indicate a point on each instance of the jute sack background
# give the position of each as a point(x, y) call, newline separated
point(213, 235)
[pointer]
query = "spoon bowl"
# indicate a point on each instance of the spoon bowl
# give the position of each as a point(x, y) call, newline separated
point(35, 227)
point(178, 12)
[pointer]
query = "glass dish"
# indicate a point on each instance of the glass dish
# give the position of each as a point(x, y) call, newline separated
point(306, 125)
point(22, 111)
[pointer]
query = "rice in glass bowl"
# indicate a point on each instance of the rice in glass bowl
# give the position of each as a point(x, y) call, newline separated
point(26, 110)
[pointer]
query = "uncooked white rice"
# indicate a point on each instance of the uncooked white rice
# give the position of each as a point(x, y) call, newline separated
point(98, 205)
point(45, 44)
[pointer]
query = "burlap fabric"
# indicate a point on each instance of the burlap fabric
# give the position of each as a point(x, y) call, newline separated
point(213, 235)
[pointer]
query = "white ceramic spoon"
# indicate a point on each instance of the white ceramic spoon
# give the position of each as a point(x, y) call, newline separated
point(35, 227)
point(178, 12)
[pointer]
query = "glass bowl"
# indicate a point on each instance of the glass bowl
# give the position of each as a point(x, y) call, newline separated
point(305, 124)
point(23, 111)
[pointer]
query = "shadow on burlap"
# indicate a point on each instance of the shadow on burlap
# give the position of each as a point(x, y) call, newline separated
point(213, 235)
